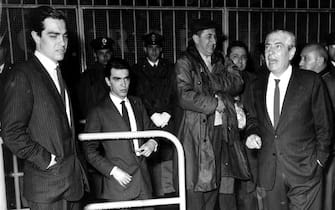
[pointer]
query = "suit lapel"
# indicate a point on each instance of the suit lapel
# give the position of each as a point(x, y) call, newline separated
point(50, 85)
point(261, 96)
point(293, 90)
point(138, 117)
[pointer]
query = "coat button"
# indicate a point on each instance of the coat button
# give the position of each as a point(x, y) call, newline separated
point(199, 83)
point(205, 140)
point(204, 120)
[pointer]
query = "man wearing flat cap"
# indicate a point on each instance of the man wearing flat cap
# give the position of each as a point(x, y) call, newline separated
point(206, 87)
point(92, 87)
point(153, 81)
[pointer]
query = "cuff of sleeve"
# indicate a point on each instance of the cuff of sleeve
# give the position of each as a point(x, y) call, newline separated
point(112, 171)
point(155, 143)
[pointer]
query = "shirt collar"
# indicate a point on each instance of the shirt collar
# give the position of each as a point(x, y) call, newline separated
point(2, 67)
point(285, 76)
point(117, 100)
point(46, 62)
point(153, 63)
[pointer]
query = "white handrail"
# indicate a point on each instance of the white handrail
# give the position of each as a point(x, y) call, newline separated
point(3, 200)
point(150, 202)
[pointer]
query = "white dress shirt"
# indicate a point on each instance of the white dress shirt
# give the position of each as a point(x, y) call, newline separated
point(153, 63)
point(284, 80)
point(51, 66)
point(2, 67)
point(133, 126)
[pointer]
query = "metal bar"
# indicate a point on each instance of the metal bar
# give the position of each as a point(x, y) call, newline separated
point(143, 134)
point(10, 37)
point(135, 31)
point(24, 37)
point(174, 37)
point(81, 35)
point(16, 183)
point(122, 35)
point(3, 200)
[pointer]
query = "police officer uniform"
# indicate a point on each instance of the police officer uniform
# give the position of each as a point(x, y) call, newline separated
point(92, 87)
point(154, 83)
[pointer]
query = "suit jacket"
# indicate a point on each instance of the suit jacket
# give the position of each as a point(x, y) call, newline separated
point(34, 126)
point(104, 155)
point(303, 133)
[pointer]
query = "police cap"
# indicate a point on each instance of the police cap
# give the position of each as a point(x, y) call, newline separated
point(153, 39)
point(102, 43)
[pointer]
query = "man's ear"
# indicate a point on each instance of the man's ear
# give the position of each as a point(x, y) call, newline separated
point(320, 60)
point(292, 52)
point(107, 82)
point(195, 38)
point(35, 37)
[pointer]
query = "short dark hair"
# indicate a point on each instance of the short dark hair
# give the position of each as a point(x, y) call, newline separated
point(39, 14)
point(116, 63)
point(236, 43)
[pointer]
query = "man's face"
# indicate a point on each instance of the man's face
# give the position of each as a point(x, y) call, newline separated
point(119, 82)
point(239, 57)
point(153, 52)
point(103, 56)
point(53, 40)
point(206, 42)
point(277, 52)
point(331, 52)
point(308, 59)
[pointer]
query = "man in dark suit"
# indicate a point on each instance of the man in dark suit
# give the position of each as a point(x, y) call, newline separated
point(123, 171)
point(153, 80)
point(37, 122)
point(314, 57)
point(291, 126)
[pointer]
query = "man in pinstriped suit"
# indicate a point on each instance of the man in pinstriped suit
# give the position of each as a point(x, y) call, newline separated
point(37, 123)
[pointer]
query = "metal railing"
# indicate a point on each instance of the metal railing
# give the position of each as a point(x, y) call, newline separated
point(181, 199)
point(3, 200)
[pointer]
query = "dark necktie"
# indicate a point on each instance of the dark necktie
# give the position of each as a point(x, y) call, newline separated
point(61, 83)
point(125, 114)
point(276, 104)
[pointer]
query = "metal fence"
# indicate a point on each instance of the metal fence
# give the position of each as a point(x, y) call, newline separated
point(180, 199)
point(126, 21)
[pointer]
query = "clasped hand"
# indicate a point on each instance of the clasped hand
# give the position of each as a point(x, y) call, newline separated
point(147, 148)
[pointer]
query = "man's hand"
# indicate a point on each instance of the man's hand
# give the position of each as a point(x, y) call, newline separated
point(156, 119)
point(165, 117)
point(147, 148)
point(241, 118)
point(52, 161)
point(122, 177)
point(253, 142)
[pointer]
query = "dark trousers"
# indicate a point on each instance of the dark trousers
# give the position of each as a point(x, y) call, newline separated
point(287, 195)
point(57, 205)
point(201, 200)
point(227, 201)
point(329, 189)
point(246, 198)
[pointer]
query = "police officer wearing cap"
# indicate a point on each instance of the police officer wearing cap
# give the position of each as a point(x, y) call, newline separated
point(209, 124)
point(153, 81)
point(92, 87)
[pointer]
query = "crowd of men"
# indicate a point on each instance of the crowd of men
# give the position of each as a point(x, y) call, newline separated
point(252, 139)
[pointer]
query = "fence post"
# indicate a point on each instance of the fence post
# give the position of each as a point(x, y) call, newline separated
point(3, 200)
